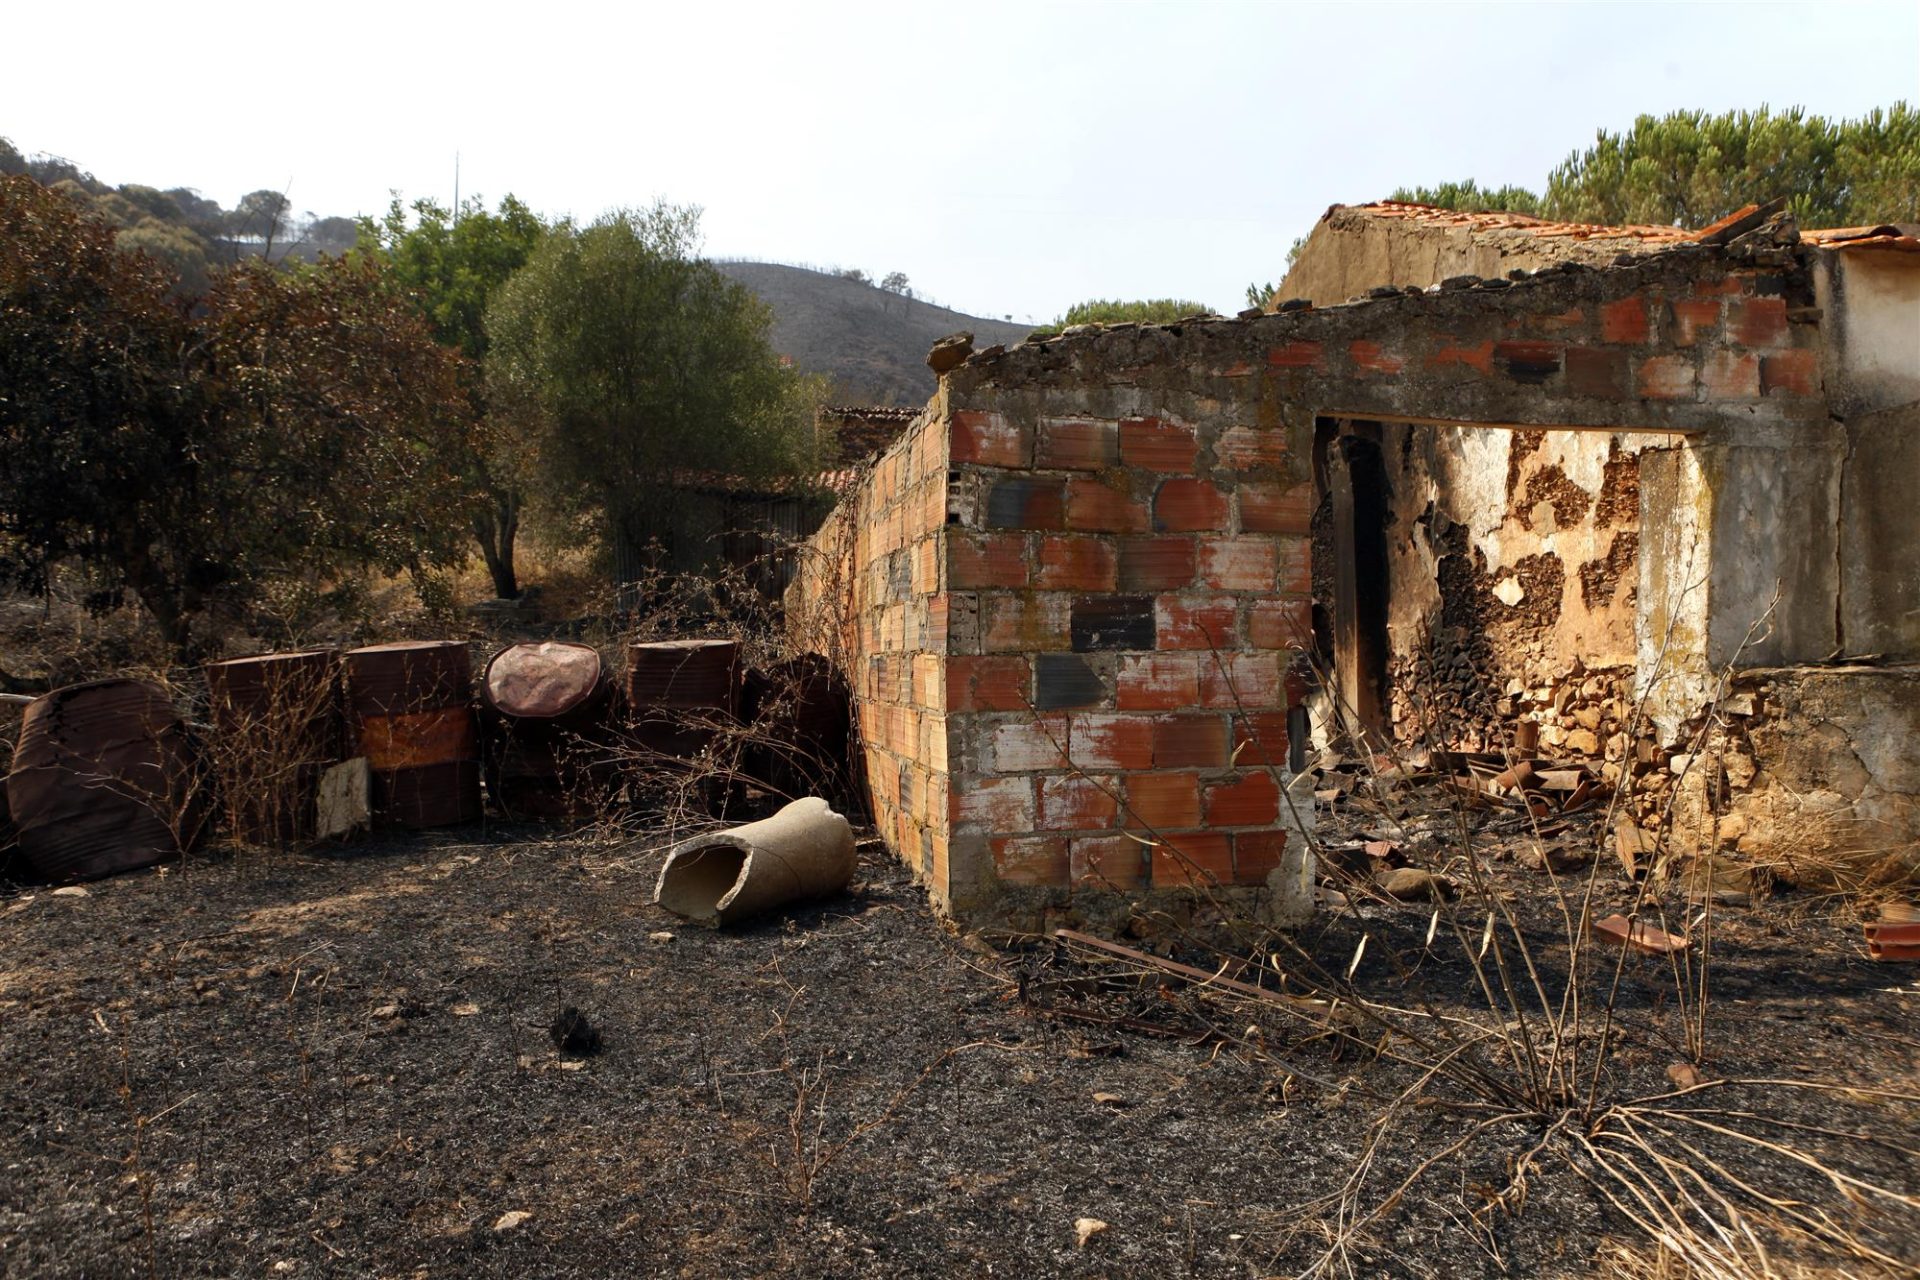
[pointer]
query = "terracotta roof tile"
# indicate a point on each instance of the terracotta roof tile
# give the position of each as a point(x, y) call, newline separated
point(1431, 216)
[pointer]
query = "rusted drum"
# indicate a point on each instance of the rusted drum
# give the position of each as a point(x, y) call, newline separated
point(547, 747)
point(105, 779)
point(277, 726)
point(801, 714)
point(677, 689)
point(410, 712)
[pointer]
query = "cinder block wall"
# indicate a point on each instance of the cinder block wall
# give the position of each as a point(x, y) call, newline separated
point(1125, 588)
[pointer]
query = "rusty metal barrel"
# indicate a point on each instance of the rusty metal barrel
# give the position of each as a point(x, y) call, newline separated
point(547, 715)
point(801, 711)
point(410, 713)
point(277, 727)
point(677, 689)
point(105, 779)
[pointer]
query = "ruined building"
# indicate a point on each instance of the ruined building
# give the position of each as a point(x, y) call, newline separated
point(1657, 491)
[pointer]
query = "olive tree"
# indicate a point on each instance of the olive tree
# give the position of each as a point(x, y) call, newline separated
point(642, 370)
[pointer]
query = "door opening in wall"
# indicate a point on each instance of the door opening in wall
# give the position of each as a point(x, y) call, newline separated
point(1351, 475)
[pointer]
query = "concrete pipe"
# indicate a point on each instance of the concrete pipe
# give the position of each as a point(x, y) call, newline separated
point(804, 851)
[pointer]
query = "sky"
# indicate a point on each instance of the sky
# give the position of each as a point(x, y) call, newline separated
point(1010, 159)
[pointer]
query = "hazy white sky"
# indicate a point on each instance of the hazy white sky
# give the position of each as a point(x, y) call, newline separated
point(1007, 157)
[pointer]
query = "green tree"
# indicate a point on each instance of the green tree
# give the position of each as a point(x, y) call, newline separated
point(1471, 197)
point(291, 424)
point(451, 266)
point(640, 364)
point(1692, 168)
point(1115, 311)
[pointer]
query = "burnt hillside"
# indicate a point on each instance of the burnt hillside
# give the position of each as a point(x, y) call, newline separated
point(872, 343)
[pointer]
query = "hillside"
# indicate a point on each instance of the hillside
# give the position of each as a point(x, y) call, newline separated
point(873, 344)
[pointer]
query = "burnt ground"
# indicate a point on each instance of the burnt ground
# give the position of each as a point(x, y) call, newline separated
point(320, 1065)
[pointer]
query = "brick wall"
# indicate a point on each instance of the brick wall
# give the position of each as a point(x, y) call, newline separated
point(869, 595)
point(1076, 581)
point(1125, 587)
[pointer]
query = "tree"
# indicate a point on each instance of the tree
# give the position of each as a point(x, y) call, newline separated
point(1114, 311)
point(292, 424)
point(1692, 168)
point(896, 282)
point(1471, 197)
point(451, 267)
point(641, 365)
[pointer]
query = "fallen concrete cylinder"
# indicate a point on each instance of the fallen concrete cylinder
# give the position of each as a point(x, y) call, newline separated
point(804, 851)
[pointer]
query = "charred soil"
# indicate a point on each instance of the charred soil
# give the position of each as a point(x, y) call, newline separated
point(340, 1066)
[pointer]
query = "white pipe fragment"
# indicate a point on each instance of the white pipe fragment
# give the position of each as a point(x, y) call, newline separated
point(804, 851)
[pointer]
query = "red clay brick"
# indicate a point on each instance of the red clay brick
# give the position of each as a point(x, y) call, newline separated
point(1694, 320)
point(1077, 444)
point(1625, 321)
point(1030, 860)
point(986, 560)
point(1280, 624)
point(1024, 623)
point(1597, 372)
point(990, 440)
point(1029, 744)
point(1370, 358)
point(1107, 862)
point(1296, 567)
point(1188, 505)
point(1296, 355)
point(1250, 680)
point(1158, 682)
point(1249, 448)
point(1163, 801)
point(1076, 564)
point(1193, 857)
point(1559, 322)
point(1260, 739)
point(1479, 357)
point(986, 684)
point(1730, 375)
point(1237, 564)
point(1665, 378)
point(1794, 373)
point(1190, 742)
point(1256, 854)
point(995, 804)
point(1154, 445)
point(1251, 800)
point(1026, 502)
point(1758, 322)
point(1156, 564)
point(1529, 362)
point(1274, 508)
point(1101, 741)
point(1076, 803)
point(1094, 507)
point(1203, 622)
